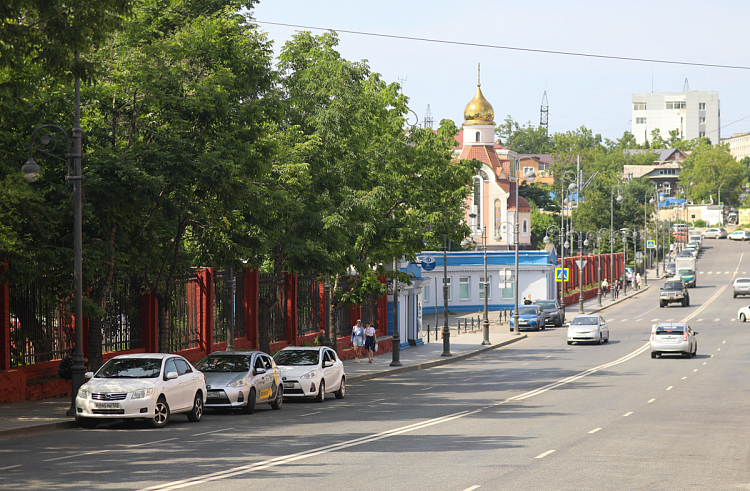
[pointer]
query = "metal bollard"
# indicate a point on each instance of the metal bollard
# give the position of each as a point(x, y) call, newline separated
point(428, 333)
point(472, 324)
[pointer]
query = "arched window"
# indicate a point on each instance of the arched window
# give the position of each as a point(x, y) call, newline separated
point(478, 198)
point(479, 135)
point(524, 226)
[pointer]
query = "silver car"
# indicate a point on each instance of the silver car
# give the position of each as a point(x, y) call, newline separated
point(715, 233)
point(241, 379)
point(673, 338)
point(588, 329)
point(741, 286)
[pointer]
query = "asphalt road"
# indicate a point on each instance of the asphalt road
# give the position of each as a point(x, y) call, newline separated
point(536, 415)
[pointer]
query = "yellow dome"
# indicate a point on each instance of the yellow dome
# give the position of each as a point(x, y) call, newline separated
point(479, 110)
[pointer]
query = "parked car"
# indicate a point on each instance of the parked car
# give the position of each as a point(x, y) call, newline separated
point(553, 313)
point(738, 235)
point(241, 379)
point(673, 291)
point(741, 286)
point(529, 317)
point(670, 269)
point(744, 313)
point(311, 371)
point(588, 329)
point(151, 386)
point(715, 233)
point(673, 338)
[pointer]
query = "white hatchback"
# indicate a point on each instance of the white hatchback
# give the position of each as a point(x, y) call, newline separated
point(311, 372)
point(152, 386)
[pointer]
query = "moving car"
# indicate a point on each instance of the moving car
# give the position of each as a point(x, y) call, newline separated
point(674, 291)
point(311, 372)
point(670, 269)
point(151, 386)
point(529, 317)
point(741, 286)
point(738, 235)
point(715, 233)
point(241, 379)
point(673, 338)
point(588, 329)
point(743, 313)
point(553, 313)
point(695, 238)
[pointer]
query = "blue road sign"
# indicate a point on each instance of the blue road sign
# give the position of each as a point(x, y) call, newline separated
point(428, 263)
point(651, 244)
point(561, 274)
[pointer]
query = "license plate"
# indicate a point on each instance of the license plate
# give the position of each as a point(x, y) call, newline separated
point(213, 395)
point(288, 385)
point(107, 405)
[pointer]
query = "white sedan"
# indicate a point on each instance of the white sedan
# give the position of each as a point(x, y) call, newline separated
point(151, 386)
point(311, 372)
point(744, 313)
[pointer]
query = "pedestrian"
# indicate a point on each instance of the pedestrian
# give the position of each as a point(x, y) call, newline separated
point(527, 300)
point(370, 341)
point(617, 288)
point(358, 339)
point(605, 284)
point(638, 281)
point(64, 368)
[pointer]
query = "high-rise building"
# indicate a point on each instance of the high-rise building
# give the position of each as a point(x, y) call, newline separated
point(694, 114)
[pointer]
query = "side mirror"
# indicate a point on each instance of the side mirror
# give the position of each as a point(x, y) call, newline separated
point(259, 371)
point(89, 375)
point(171, 375)
point(327, 364)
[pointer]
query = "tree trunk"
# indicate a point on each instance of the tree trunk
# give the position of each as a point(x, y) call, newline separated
point(165, 322)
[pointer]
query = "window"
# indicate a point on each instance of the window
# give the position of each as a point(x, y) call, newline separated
point(447, 282)
point(701, 120)
point(701, 106)
point(426, 294)
point(478, 136)
point(478, 198)
point(169, 367)
point(481, 287)
point(639, 106)
point(675, 104)
point(182, 366)
point(463, 288)
point(506, 283)
point(701, 134)
point(525, 227)
point(640, 120)
point(527, 170)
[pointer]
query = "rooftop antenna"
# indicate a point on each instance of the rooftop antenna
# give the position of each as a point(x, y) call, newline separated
point(428, 121)
point(401, 83)
point(686, 86)
point(543, 119)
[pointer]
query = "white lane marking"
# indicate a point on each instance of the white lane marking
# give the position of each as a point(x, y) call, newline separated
point(625, 320)
point(548, 356)
point(699, 320)
point(695, 370)
point(525, 363)
point(670, 320)
point(594, 430)
point(707, 273)
point(377, 400)
point(733, 320)
point(427, 388)
point(652, 400)
point(10, 467)
point(473, 488)
point(78, 455)
point(151, 443)
point(710, 357)
point(706, 361)
point(683, 378)
point(638, 320)
point(718, 349)
point(543, 455)
point(654, 320)
point(215, 431)
point(726, 272)
point(717, 320)
point(723, 342)
point(309, 414)
point(627, 414)
point(670, 387)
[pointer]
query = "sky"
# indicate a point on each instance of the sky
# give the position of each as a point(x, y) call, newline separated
point(581, 91)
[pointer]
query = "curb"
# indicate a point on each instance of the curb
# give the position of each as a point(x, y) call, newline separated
point(431, 364)
point(37, 429)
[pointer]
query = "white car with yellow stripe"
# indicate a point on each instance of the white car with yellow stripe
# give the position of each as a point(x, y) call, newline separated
point(311, 371)
point(241, 379)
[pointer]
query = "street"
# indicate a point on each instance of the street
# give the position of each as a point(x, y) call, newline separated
point(535, 415)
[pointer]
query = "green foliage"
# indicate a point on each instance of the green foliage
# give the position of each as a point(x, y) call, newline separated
point(709, 167)
point(524, 139)
point(700, 223)
point(540, 222)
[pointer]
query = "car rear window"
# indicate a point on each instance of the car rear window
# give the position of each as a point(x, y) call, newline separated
point(297, 357)
point(527, 311)
point(743, 280)
point(225, 363)
point(546, 305)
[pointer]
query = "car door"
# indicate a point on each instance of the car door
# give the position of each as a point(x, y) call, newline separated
point(171, 387)
point(188, 387)
point(262, 386)
point(338, 371)
point(273, 376)
point(329, 373)
point(605, 328)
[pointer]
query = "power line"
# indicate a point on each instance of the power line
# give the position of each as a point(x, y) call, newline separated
point(511, 48)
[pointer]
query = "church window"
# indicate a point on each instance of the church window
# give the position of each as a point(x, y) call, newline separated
point(478, 137)
point(525, 226)
point(478, 198)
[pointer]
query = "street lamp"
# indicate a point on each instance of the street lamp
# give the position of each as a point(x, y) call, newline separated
point(619, 199)
point(485, 319)
point(396, 338)
point(562, 248)
point(446, 329)
point(582, 243)
point(598, 235)
point(572, 178)
point(623, 234)
point(530, 178)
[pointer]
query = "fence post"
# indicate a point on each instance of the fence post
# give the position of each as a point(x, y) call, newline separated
point(290, 314)
point(251, 277)
point(4, 320)
point(149, 323)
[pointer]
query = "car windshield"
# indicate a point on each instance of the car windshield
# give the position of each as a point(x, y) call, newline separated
point(297, 357)
point(131, 368)
point(546, 305)
point(670, 266)
point(225, 363)
point(527, 310)
point(672, 285)
point(585, 321)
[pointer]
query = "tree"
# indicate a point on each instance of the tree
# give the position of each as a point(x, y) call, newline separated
point(708, 167)
point(524, 139)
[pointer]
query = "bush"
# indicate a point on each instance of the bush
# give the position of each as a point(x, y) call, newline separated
point(700, 223)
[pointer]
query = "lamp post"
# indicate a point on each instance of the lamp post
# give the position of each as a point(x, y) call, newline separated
point(446, 329)
point(547, 241)
point(31, 173)
point(572, 178)
point(582, 243)
point(620, 199)
point(598, 234)
point(530, 178)
point(485, 318)
point(327, 311)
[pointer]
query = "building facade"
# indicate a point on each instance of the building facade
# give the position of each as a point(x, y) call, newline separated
point(664, 172)
point(739, 145)
point(694, 114)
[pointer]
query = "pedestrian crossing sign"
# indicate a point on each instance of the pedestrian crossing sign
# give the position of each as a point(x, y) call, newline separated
point(651, 244)
point(561, 274)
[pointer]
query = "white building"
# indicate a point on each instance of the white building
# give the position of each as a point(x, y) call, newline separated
point(694, 114)
point(739, 145)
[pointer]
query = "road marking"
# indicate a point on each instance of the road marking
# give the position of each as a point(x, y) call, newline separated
point(77, 455)
point(594, 430)
point(625, 320)
point(709, 357)
point(699, 320)
point(706, 361)
point(151, 443)
point(473, 488)
point(717, 320)
point(695, 370)
point(627, 414)
point(683, 378)
point(723, 342)
point(709, 272)
point(732, 320)
point(543, 455)
point(652, 400)
point(377, 400)
point(638, 320)
point(670, 387)
point(654, 320)
point(718, 349)
point(216, 431)
point(427, 388)
point(670, 320)
point(10, 467)
point(726, 272)
point(309, 414)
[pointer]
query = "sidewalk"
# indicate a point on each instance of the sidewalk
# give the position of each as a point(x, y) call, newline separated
point(33, 417)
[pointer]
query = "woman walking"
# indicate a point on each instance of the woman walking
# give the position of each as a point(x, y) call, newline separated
point(358, 339)
point(370, 341)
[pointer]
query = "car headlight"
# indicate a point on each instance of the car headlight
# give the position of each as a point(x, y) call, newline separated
point(240, 382)
point(310, 374)
point(83, 392)
point(142, 393)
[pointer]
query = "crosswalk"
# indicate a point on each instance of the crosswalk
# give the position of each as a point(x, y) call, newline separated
point(718, 272)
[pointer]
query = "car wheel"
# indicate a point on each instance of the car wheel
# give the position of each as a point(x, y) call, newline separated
point(687, 302)
point(570, 342)
point(89, 423)
point(743, 318)
point(250, 406)
point(196, 413)
point(342, 389)
point(653, 354)
point(689, 355)
point(321, 392)
point(734, 295)
point(161, 414)
point(558, 324)
point(279, 401)
point(661, 305)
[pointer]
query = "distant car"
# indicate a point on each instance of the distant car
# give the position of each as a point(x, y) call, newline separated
point(671, 338)
point(715, 233)
point(741, 286)
point(529, 317)
point(695, 238)
point(738, 235)
point(744, 313)
point(553, 313)
point(311, 371)
point(241, 379)
point(670, 269)
point(674, 291)
point(588, 329)
point(151, 386)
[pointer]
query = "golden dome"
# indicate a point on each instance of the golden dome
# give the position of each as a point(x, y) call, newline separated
point(479, 110)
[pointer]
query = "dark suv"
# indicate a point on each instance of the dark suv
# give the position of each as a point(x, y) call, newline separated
point(553, 314)
point(674, 291)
